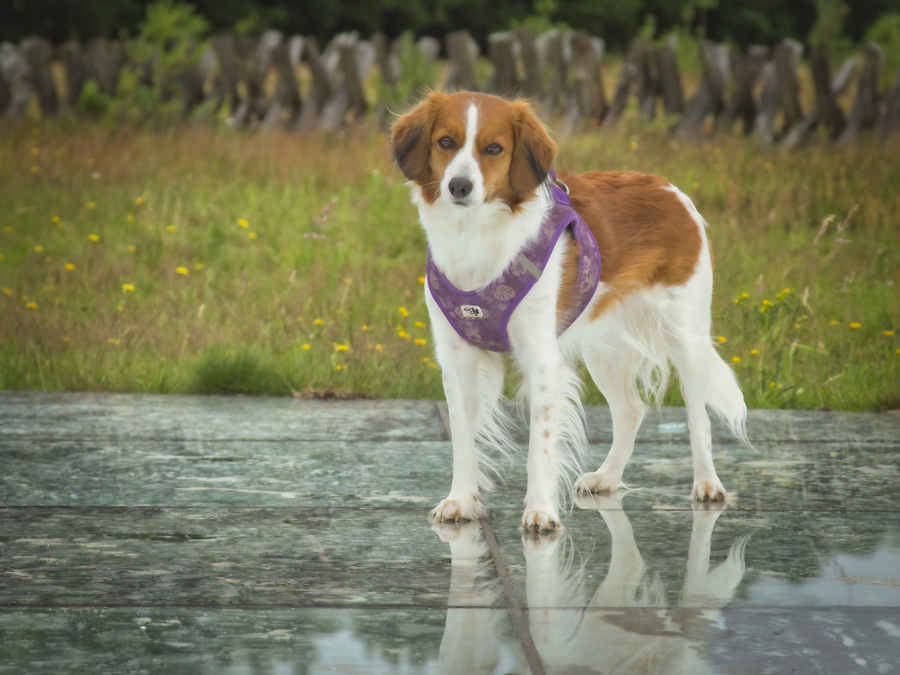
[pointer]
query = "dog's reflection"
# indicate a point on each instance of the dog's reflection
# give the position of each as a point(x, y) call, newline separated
point(625, 627)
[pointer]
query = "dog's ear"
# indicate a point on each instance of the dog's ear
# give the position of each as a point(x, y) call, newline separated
point(534, 151)
point(411, 138)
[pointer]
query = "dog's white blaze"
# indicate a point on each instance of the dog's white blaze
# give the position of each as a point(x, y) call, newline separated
point(464, 164)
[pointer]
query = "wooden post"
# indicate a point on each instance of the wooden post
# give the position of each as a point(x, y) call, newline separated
point(75, 70)
point(764, 125)
point(787, 53)
point(193, 77)
point(669, 77)
point(504, 81)
point(103, 64)
point(844, 75)
point(828, 110)
point(17, 76)
point(709, 99)
point(588, 77)
point(551, 44)
point(38, 52)
point(285, 104)
point(623, 90)
point(641, 55)
point(747, 69)
point(462, 57)
point(890, 123)
point(532, 85)
point(865, 107)
point(226, 81)
point(353, 79)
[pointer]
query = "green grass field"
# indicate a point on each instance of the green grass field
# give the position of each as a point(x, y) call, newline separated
point(211, 261)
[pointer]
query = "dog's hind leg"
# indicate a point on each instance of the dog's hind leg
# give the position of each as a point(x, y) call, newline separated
point(615, 377)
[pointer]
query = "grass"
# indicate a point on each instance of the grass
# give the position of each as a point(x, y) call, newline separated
point(198, 260)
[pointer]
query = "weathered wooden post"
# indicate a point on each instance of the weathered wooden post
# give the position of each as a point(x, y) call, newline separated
point(319, 90)
point(641, 55)
point(75, 71)
point(709, 99)
point(225, 84)
point(462, 52)
point(587, 53)
point(627, 80)
point(826, 106)
point(669, 77)
point(501, 51)
point(38, 52)
point(550, 44)
point(865, 107)
point(104, 63)
point(285, 105)
point(746, 70)
point(787, 53)
point(17, 76)
point(764, 125)
point(532, 85)
point(890, 123)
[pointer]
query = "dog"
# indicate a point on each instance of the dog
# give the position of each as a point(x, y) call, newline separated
point(625, 286)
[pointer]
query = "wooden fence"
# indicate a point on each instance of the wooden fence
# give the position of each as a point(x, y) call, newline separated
point(288, 83)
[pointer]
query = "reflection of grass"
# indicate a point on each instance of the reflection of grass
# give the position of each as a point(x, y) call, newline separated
point(174, 280)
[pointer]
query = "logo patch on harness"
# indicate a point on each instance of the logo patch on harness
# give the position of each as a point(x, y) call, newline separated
point(472, 311)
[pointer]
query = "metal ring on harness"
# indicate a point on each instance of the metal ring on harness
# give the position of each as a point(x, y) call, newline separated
point(561, 184)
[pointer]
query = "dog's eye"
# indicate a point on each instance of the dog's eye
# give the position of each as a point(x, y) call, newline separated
point(493, 149)
point(446, 142)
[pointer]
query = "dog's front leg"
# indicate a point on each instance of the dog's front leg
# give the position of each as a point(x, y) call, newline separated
point(543, 366)
point(459, 363)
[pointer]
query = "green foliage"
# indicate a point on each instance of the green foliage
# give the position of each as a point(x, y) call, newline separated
point(417, 75)
point(885, 32)
point(241, 372)
point(92, 102)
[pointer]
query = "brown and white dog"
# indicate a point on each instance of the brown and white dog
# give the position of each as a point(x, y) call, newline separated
point(478, 167)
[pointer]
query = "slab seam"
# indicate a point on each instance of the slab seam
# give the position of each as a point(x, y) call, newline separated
point(516, 615)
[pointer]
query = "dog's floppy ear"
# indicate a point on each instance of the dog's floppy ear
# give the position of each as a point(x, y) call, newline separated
point(411, 138)
point(534, 151)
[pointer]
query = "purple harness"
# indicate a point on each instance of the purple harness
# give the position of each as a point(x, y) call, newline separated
point(481, 316)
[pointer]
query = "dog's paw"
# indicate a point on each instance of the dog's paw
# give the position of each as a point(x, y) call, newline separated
point(708, 490)
point(534, 542)
point(540, 520)
point(597, 481)
point(453, 510)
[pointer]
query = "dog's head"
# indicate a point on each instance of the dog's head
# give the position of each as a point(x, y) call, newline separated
point(470, 148)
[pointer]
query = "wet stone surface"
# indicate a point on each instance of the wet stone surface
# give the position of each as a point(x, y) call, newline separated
point(234, 535)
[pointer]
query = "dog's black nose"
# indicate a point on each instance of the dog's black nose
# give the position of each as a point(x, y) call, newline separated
point(460, 187)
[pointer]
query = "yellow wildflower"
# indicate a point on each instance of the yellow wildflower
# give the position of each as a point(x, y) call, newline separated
point(91, 205)
point(855, 324)
point(306, 347)
point(768, 166)
point(300, 318)
point(182, 270)
point(403, 334)
point(897, 351)
point(797, 326)
point(766, 303)
point(243, 223)
point(721, 338)
point(35, 169)
point(38, 249)
point(421, 341)
point(378, 348)
point(888, 333)
point(365, 327)
point(170, 228)
point(319, 322)
point(31, 305)
point(419, 324)
point(8, 291)
point(57, 220)
point(94, 237)
point(8, 230)
point(754, 352)
point(50, 287)
point(70, 266)
point(834, 322)
point(65, 338)
point(127, 287)
point(421, 280)
point(129, 218)
point(425, 359)
point(140, 200)
point(633, 145)
point(403, 311)
point(1, 256)
point(342, 348)
point(735, 359)
point(339, 367)
point(112, 341)
point(35, 151)
point(198, 267)
point(131, 248)
point(744, 296)
point(252, 235)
